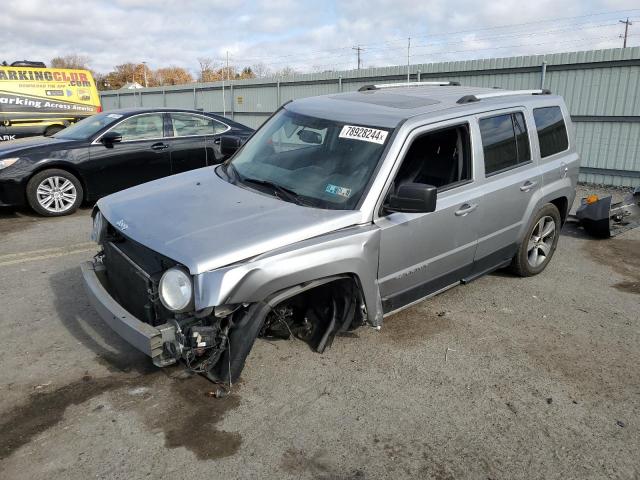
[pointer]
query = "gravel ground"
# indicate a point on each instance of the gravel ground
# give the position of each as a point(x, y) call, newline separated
point(504, 378)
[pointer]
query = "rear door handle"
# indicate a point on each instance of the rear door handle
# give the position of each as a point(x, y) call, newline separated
point(159, 146)
point(217, 141)
point(528, 185)
point(466, 209)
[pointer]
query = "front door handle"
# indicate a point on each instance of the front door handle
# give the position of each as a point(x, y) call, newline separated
point(466, 209)
point(159, 146)
point(528, 185)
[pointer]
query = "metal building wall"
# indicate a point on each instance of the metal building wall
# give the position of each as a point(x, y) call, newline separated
point(601, 88)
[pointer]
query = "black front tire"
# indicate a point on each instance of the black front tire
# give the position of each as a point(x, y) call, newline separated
point(35, 199)
point(523, 263)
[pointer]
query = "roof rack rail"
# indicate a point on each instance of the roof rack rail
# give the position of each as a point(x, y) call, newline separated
point(505, 93)
point(380, 86)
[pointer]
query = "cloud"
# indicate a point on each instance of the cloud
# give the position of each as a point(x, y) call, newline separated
point(301, 33)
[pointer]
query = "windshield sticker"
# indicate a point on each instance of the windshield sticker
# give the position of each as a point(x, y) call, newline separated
point(336, 190)
point(114, 115)
point(364, 133)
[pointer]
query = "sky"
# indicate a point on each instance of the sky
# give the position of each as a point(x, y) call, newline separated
point(306, 35)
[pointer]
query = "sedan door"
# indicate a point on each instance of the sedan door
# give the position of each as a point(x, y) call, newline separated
point(190, 135)
point(141, 156)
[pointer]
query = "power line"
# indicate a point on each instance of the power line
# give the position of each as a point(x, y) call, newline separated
point(577, 40)
point(498, 27)
point(382, 50)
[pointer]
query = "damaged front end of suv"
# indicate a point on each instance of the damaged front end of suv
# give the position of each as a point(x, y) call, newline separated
point(210, 320)
point(194, 267)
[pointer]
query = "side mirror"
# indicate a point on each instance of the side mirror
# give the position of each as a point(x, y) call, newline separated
point(229, 145)
point(307, 136)
point(109, 138)
point(413, 198)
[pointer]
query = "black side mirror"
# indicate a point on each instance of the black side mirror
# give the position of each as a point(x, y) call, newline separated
point(109, 138)
point(229, 145)
point(413, 198)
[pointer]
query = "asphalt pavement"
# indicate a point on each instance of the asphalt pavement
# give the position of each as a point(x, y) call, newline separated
point(503, 378)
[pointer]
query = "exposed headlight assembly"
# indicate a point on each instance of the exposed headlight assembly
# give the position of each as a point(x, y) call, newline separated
point(99, 228)
point(176, 290)
point(7, 162)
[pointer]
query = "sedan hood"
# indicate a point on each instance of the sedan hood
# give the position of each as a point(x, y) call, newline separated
point(203, 222)
point(29, 143)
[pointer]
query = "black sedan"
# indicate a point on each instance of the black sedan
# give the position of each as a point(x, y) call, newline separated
point(111, 151)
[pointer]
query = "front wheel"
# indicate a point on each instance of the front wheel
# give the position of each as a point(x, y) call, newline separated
point(539, 243)
point(54, 193)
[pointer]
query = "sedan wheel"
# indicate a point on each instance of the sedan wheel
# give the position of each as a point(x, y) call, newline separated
point(54, 193)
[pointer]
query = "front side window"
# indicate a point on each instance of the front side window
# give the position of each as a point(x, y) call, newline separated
point(322, 163)
point(88, 127)
point(505, 142)
point(441, 158)
point(552, 131)
point(186, 124)
point(141, 127)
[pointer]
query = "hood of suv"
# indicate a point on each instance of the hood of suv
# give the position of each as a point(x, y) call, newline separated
point(203, 222)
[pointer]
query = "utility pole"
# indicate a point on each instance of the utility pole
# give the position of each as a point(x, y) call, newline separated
point(224, 102)
point(144, 69)
point(358, 49)
point(626, 31)
point(408, 58)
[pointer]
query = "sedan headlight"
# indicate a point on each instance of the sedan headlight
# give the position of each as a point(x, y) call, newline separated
point(176, 290)
point(7, 162)
point(99, 228)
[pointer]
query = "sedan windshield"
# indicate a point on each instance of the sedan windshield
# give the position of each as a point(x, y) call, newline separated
point(85, 129)
point(310, 161)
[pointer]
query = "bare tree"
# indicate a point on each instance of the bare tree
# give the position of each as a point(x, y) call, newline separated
point(207, 70)
point(286, 72)
point(260, 70)
point(74, 61)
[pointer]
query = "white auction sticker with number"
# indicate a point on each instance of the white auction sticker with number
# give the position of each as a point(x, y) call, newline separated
point(364, 133)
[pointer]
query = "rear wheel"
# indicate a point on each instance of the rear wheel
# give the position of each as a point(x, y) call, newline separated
point(539, 243)
point(54, 193)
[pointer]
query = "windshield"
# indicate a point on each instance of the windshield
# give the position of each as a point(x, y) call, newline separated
point(317, 162)
point(88, 127)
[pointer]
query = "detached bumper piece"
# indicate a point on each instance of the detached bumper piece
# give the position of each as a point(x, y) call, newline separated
point(603, 219)
point(149, 340)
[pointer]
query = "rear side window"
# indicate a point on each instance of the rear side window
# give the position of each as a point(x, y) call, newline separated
point(186, 125)
point(552, 131)
point(505, 142)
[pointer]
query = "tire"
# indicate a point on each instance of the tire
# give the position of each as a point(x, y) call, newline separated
point(55, 192)
point(52, 130)
point(536, 250)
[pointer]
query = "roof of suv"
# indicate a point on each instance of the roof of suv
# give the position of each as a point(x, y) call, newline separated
point(387, 107)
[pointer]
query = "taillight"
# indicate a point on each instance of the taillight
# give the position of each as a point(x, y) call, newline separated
point(99, 109)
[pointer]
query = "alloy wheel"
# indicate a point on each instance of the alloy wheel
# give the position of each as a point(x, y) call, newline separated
point(56, 194)
point(541, 241)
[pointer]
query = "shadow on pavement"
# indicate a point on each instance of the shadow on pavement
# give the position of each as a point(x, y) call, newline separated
point(80, 319)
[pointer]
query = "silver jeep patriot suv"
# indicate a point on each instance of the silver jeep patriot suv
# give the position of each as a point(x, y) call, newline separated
point(338, 211)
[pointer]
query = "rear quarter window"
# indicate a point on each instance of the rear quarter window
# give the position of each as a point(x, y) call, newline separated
point(551, 129)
